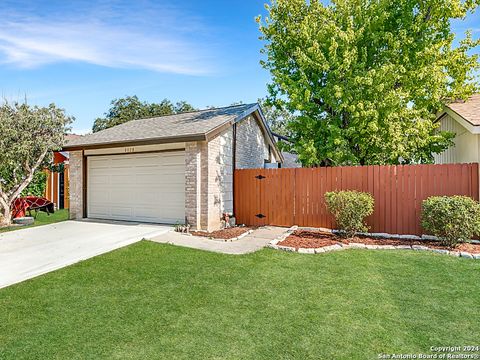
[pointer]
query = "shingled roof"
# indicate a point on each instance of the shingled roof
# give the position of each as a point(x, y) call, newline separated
point(469, 110)
point(190, 126)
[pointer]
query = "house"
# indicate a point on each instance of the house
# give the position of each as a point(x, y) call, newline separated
point(56, 189)
point(168, 169)
point(463, 119)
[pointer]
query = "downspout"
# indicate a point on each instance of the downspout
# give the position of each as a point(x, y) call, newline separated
point(234, 165)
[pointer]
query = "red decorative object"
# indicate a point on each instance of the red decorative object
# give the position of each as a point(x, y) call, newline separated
point(28, 203)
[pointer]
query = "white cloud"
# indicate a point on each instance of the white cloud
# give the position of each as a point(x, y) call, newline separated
point(80, 131)
point(155, 43)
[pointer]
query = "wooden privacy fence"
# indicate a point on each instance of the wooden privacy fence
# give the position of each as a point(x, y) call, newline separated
point(57, 188)
point(286, 197)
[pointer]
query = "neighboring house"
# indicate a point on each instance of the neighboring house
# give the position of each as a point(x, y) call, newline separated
point(168, 169)
point(57, 182)
point(463, 119)
point(290, 160)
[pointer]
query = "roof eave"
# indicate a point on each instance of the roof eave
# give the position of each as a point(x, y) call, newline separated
point(474, 129)
point(256, 108)
point(154, 141)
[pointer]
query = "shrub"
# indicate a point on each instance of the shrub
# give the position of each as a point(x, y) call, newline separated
point(451, 218)
point(350, 208)
point(37, 186)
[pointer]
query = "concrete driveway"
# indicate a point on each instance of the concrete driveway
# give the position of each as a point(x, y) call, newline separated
point(30, 252)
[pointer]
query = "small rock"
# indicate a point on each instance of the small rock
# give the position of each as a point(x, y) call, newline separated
point(440, 251)
point(476, 256)
point(319, 250)
point(454, 253)
point(345, 246)
point(403, 247)
point(371, 247)
point(382, 235)
point(357, 246)
point(335, 247)
point(306, 251)
point(386, 247)
point(408, 237)
point(272, 246)
point(429, 237)
point(420, 247)
point(466, 255)
point(285, 248)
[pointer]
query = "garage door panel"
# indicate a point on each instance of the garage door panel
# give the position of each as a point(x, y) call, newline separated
point(144, 179)
point(137, 187)
point(99, 163)
point(122, 211)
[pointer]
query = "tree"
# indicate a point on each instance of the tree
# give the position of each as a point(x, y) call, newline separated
point(367, 77)
point(277, 118)
point(28, 136)
point(131, 108)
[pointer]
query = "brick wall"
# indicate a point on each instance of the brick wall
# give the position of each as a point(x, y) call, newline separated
point(252, 149)
point(220, 177)
point(76, 185)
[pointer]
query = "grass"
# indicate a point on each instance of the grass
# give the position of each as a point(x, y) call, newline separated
point(154, 301)
point(42, 219)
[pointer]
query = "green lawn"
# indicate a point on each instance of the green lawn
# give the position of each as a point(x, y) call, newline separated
point(153, 301)
point(42, 219)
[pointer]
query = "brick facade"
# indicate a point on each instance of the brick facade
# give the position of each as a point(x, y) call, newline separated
point(76, 185)
point(252, 148)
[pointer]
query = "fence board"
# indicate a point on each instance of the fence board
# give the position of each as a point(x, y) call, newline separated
point(287, 197)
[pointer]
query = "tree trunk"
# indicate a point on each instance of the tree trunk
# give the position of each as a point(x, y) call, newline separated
point(6, 216)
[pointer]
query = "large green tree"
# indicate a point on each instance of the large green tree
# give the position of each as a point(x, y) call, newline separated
point(367, 77)
point(131, 108)
point(28, 135)
point(277, 118)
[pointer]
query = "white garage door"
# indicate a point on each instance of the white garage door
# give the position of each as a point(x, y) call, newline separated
point(137, 187)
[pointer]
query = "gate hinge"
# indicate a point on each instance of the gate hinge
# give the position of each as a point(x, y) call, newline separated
point(260, 177)
point(260, 216)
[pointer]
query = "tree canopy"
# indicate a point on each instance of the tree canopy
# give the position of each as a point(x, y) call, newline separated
point(277, 118)
point(367, 77)
point(131, 108)
point(28, 136)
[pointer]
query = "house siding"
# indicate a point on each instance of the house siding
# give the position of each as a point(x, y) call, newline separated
point(466, 144)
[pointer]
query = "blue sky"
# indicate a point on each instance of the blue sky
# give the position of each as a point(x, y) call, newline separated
point(82, 54)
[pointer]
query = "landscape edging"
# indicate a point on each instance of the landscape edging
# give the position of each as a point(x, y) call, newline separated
point(337, 247)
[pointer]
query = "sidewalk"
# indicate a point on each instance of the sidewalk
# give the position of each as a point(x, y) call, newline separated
point(257, 240)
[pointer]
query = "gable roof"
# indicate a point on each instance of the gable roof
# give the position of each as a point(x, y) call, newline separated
point(469, 110)
point(199, 125)
point(467, 113)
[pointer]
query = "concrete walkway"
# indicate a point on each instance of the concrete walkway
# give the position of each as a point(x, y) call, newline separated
point(30, 252)
point(257, 240)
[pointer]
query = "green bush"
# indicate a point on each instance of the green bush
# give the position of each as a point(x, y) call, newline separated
point(350, 208)
point(452, 219)
point(37, 186)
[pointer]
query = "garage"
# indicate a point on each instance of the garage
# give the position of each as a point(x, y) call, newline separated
point(148, 187)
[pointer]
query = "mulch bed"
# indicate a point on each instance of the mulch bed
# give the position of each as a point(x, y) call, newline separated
point(228, 233)
point(311, 239)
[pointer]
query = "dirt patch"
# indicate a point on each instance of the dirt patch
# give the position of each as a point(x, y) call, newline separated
point(228, 233)
point(312, 239)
